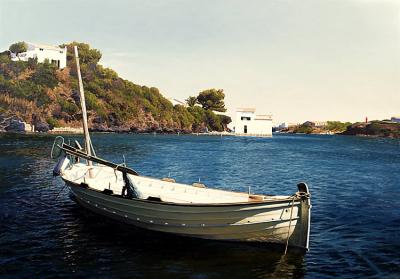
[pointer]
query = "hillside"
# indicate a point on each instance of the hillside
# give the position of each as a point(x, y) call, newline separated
point(41, 94)
point(374, 129)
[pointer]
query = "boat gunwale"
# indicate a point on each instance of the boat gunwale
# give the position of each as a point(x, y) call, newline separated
point(255, 203)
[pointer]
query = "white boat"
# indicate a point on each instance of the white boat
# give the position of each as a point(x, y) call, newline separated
point(120, 193)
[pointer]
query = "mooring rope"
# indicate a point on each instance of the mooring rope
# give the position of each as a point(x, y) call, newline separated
point(91, 146)
point(58, 194)
point(290, 223)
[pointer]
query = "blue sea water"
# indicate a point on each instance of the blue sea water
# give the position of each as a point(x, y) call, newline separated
point(355, 224)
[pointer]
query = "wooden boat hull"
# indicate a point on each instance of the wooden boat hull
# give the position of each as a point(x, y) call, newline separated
point(269, 221)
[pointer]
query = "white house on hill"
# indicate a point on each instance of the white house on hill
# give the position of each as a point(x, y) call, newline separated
point(54, 54)
point(248, 123)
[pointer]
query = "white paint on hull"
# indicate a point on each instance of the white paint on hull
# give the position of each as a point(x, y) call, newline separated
point(254, 222)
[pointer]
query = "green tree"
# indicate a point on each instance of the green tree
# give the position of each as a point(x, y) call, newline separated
point(4, 57)
point(183, 116)
point(191, 101)
point(212, 99)
point(213, 121)
point(45, 75)
point(304, 129)
point(18, 47)
point(68, 106)
point(199, 117)
point(87, 55)
point(52, 122)
point(225, 120)
point(337, 126)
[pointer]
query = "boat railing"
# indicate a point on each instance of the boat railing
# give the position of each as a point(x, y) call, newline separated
point(59, 145)
point(76, 152)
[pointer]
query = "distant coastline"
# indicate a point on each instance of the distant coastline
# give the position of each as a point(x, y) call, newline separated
point(376, 128)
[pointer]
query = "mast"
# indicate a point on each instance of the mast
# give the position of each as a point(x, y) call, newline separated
point(83, 106)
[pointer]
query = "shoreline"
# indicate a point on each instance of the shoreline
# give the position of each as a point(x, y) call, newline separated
point(220, 134)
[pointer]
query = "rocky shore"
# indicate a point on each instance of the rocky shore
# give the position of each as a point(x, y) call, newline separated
point(15, 124)
point(385, 129)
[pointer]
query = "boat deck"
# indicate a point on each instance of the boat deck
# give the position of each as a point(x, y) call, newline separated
point(103, 177)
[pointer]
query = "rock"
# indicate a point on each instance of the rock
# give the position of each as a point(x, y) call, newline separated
point(75, 96)
point(11, 123)
point(99, 120)
point(15, 126)
point(113, 120)
point(374, 129)
point(355, 129)
point(99, 127)
point(66, 117)
point(41, 127)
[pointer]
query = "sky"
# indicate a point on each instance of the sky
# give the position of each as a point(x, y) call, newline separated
point(298, 60)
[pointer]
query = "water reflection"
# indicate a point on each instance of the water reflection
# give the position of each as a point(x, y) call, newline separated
point(137, 251)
